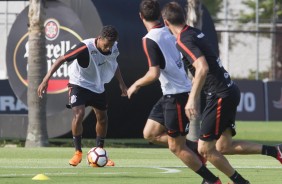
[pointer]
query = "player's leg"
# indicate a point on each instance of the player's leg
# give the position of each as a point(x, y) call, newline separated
point(178, 147)
point(216, 120)
point(155, 132)
point(77, 104)
point(226, 145)
point(77, 129)
point(101, 126)
point(208, 150)
point(177, 125)
point(101, 130)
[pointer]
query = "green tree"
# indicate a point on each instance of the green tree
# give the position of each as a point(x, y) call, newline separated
point(265, 10)
point(37, 131)
point(214, 7)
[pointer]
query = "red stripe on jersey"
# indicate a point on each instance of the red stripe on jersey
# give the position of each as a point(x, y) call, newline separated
point(159, 25)
point(146, 52)
point(179, 114)
point(75, 51)
point(186, 49)
point(218, 114)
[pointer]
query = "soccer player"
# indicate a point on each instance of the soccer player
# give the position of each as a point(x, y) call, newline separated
point(168, 113)
point(94, 63)
point(223, 96)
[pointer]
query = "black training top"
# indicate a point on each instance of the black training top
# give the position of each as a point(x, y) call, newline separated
point(193, 44)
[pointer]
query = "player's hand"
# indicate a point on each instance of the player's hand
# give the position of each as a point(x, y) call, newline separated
point(191, 109)
point(132, 89)
point(123, 90)
point(42, 89)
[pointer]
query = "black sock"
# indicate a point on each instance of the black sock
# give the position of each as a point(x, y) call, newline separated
point(77, 143)
point(269, 150)
point(192, 146)
point(100, 141)
point(207, 174)
point(238, 179)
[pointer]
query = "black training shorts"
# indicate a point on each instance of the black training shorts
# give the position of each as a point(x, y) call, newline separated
point(219, 114)
point(169, 111)
point(81, 96)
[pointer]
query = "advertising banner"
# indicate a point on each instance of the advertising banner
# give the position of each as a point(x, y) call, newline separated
point(274, 100)
point(252, 103)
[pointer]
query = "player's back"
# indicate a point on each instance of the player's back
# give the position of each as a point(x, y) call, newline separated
point(173, 76)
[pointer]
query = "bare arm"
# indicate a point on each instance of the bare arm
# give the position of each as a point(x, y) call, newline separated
point(151, 76)
point(122, 85)
point(44, 84)
point(202, 69)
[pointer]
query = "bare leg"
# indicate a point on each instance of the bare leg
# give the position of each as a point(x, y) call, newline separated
point(155, 132)
point(208, 151)
point(228, 146)
point(102, 122)
point(78, 115)
point(178, 147)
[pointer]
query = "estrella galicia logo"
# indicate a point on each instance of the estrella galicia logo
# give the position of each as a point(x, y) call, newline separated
point(278, 104)
point(61, 35)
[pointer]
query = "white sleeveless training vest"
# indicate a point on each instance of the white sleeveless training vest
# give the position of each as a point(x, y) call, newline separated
point(101, 68)
point(173, 77)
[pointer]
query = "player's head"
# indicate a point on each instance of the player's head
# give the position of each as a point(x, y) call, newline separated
point(173, 13)
point(107, 37)
point(150, 10)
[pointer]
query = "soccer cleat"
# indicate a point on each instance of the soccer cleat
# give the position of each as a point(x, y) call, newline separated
point(110, 163)
point(207, 182)
point(279, 153)
point(247, 182)
point(76, 159)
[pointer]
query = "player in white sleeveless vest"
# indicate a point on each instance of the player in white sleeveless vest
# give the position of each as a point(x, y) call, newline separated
point(93, 65)
point(100, 70)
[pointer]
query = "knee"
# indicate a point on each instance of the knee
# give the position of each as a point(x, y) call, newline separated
point(223, 149)
point(102, 118)
point(148, 136)
point(204, 151)
point(174, 149)
point(78, 115)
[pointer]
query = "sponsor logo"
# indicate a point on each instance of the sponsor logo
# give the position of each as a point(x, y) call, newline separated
point(200, 35)
point(54, 49)
point(11, 103)
point(61, 35)
point(278, 104)
point(52, 29)
point(73, 99)
point(206, 135)
point(99, 64)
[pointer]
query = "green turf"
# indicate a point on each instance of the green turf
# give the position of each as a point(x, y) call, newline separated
point(136, 162)
point(133, 166)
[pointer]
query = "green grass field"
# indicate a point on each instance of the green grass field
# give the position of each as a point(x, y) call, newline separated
point(137, 165)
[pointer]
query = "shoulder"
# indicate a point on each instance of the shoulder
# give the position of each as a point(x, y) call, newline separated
point(115, 48)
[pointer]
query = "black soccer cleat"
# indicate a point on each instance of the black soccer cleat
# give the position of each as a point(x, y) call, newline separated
point(207, 182)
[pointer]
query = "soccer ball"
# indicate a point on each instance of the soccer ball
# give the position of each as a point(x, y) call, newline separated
point(97, 157)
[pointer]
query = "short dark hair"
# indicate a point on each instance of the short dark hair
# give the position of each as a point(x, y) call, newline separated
point(109, 32)
point(174, 13)
point(150, 10)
